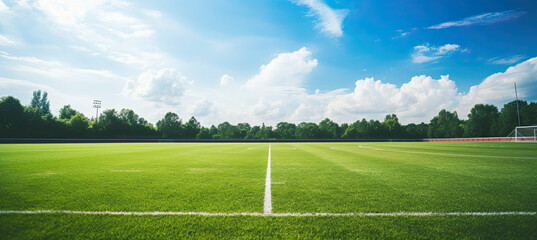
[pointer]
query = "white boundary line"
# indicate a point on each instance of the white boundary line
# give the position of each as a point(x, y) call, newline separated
point(267, 208)
point(364, 214)
point(445, 154)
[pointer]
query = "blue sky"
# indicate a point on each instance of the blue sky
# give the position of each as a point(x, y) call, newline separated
point(270, 61)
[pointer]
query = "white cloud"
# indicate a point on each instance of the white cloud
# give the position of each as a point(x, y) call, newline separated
point(3, 7)
point(152, 13)
point(419, 99)
point(268, 110)
point(225, 79)
point(422, 97)
point(287, 70)
point(5, 41)
point(202, 108)
point(485, 18)
point(506, 60)
point(329, 20)
point(498, 88)
point(401, 34)
point(67, 12)
point(165, 86)
point(427, 53)
point(106, 28)
point(30, 60)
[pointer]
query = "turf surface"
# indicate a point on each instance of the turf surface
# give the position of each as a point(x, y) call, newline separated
point(307, 178)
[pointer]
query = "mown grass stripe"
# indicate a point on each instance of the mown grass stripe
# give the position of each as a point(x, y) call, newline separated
point(389, 214)
point(445, 154)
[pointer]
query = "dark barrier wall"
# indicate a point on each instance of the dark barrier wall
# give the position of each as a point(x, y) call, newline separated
point(150, 140)
point(58, 140)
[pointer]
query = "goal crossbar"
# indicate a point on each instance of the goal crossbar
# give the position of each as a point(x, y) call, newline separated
point(524, 134)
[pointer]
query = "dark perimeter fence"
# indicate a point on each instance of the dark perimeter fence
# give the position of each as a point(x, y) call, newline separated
point(152, 140)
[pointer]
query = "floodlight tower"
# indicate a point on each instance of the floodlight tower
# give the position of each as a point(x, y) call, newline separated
point(97, 105)
point(517, 111)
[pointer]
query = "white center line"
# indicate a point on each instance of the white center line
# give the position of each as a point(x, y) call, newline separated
point(267, 209)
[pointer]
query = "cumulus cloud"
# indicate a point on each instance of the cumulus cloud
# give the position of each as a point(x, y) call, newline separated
point(485, 18)
point(329, 20)
point(268, 110)
point(498, 88)
point(202, 108)
point(165, 86)
point(427, 53)
point(506, 60)
point(419, 99)
point(422, 97)
point(225, 79)
point(286, 70)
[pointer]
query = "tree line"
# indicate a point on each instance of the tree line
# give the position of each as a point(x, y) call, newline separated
point(36, 121)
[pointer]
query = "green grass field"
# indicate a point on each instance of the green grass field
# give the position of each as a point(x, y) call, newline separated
point(306, 178)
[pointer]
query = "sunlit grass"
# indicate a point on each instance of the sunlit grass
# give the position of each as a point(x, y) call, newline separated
point(307, 177)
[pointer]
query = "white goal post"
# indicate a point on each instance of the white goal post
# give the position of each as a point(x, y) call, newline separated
point(524, 134)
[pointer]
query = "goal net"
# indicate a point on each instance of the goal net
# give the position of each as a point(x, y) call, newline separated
point(524, 134)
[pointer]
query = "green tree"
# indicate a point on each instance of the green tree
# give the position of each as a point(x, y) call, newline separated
point(509, 116)
point(306, 130)
point(415, 130)
point(445, 125)
point(204, 133)
point(328, 129)
point(79, 124)
point(530, 114)
point(265, 132)
point(12, 118)
point(66, 112)
point(482, 121)
point(109, 124)
point(170, 125)
point(41, 102)
point(213, 131)
point(392, 126)
point(285, 130)
point(357, 130)
point(191, 128)
point(341, 130)
point(128, 116)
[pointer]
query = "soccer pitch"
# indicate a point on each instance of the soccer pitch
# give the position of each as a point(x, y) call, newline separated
point(313, 190)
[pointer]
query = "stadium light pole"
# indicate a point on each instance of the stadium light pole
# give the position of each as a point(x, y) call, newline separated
point(97, 105)
point(517, 110)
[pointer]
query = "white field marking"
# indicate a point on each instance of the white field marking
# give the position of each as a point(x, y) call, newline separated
point(129, 170)
point(446, 154)
point(267, 208)
point(332, 148)
point(278, 182)
point(49, 150)
point(492, 146)
point(197, 170)
point(373, 214)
